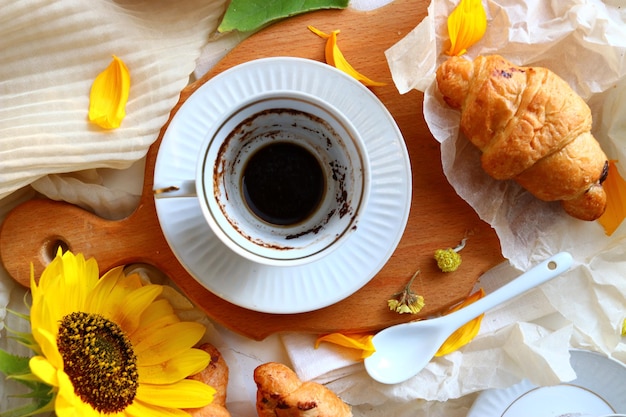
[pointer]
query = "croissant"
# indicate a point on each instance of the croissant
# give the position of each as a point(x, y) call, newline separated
point(531, 127)
point(215, 375)
point(280, 393)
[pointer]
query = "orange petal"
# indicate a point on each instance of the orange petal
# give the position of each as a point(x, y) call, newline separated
point(318, 32)
point(467, 332)
point(361, 343)
point(335, 57)
point(615, 188)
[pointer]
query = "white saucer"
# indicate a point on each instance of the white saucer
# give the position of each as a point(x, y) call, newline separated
point(597, 390)
point(285, 289)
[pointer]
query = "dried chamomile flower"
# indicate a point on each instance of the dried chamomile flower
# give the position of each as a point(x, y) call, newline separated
point(449, 260)
point(406, 301)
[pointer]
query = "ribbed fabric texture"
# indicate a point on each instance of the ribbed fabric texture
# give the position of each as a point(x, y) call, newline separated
point(50, 53)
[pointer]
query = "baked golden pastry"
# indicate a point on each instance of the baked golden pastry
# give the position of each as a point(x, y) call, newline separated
point(280, 393)
point(531, 127)
point(215, 375)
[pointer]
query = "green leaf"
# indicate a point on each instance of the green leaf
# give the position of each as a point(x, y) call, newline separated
point(36, 407)
point(249, 15)
point(41, 395)
point(11, 365)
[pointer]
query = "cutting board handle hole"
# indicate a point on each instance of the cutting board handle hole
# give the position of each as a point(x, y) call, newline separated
point(51, 247)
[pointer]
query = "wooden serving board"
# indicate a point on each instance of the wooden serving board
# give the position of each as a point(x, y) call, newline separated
point(439, 217)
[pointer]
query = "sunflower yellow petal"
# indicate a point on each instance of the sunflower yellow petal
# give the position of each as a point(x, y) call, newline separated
point(179, 367)
point(99, 297)
point(140, 409)
point(79, 276)
point(44, 370)
point(182, 394)
point(361, 343)
point(48, 345)
point(109, 94)
point(52, 271)
point(67, 280)
point(70, 291)
point(157, 311)
point(145, 331)
point(466, 25)
point(335, 57)
point(615, 188)
point(136, 303)
point(120, 287)
point(465, 333)
point(161, 346)
point(159, 314)
point(44, 316)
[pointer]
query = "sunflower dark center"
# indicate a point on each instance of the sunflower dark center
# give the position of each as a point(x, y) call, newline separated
point(99, 360)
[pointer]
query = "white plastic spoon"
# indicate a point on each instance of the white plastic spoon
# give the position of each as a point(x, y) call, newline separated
point(405, 349)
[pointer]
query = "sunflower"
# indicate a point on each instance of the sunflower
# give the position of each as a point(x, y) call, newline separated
point(111, 346)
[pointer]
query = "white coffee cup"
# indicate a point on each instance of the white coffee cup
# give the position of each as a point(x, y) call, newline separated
point(264, 147)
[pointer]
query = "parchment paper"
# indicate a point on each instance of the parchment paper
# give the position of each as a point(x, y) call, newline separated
point(584, 42)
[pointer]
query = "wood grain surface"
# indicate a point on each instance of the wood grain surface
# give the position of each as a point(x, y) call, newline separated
point(439, 218)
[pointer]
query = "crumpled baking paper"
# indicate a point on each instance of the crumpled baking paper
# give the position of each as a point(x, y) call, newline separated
point(584, 42)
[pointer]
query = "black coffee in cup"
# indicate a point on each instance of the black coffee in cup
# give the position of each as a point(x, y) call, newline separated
point(283, 183)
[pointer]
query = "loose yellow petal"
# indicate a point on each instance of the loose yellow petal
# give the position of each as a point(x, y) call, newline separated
point(615, 188)
point(466, 25)
point(361, 343)
point(467, 332)
point(335, 57)
point(196, 394)
point(109, 94)
point(319, 33)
